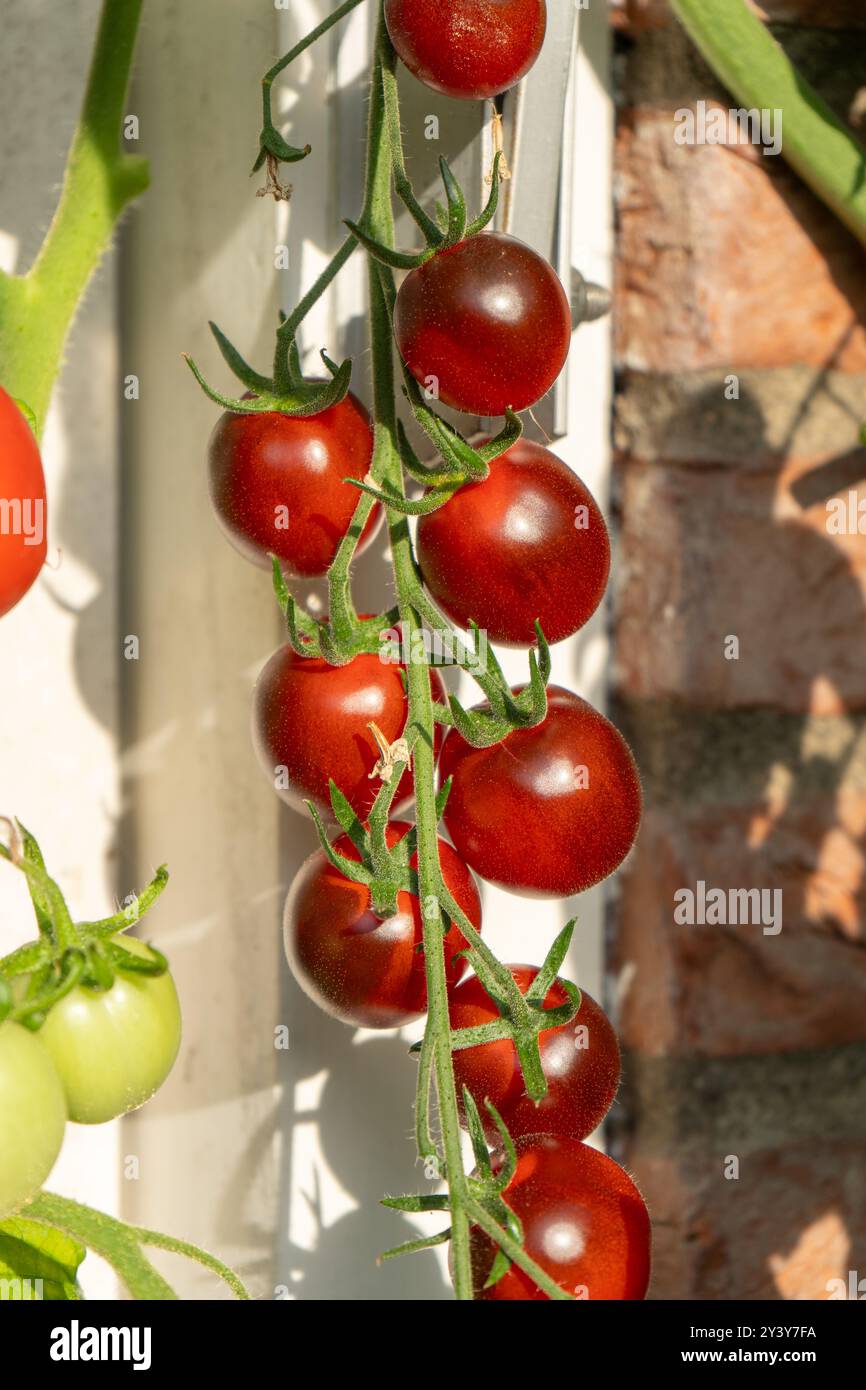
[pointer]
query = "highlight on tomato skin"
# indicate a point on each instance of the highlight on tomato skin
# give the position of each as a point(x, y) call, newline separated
point(359, 969)
point(484, 325)
point(310, 724)
point(526, 544)
point(469, 49)
point(550, 811)
point(277, 484)
point(23, 542)
point(584, 1222)
point(580, 1061)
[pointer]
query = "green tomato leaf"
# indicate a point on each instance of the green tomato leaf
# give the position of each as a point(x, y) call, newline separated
point(114, 1241)
point(38, 1262)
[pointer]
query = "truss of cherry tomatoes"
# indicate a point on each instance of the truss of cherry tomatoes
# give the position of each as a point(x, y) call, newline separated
point(538, 792)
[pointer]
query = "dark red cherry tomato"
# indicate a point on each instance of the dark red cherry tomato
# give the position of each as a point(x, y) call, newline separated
point(276, 483)
point(484, 325)
point(527, 543)
point(361, 970)
point(550, 810)
point(311, 723)
point(580, 1061)
point(467, 48)
point(22, 505)
point(584, 1223)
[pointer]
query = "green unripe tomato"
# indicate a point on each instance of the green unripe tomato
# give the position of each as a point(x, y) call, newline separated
point(113, 1049)
point(32, 1116)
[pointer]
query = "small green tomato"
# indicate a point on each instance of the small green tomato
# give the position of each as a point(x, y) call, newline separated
point(32, 1116)
point(113, 1049)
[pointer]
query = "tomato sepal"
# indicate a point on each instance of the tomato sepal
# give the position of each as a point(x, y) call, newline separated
point(473, 463)
point(345, 817)
point(312, 399)
point(154, 964)
point(50, 987)
point(454, 226)
point(253, 380)
point(386, 255)
point(135, 907)
point(456, 204)
point(350, 869)
point(413, 1247)
point(406, 506)
point(272, 143)
point(416, 1203)
point(486, 216)
point(549, 971)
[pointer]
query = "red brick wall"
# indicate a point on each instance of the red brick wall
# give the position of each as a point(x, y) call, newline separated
point(741, 1045)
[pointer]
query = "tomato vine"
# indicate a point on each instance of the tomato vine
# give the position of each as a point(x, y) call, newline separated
point(100, 180)
point(747, 58)
point(89, 1029)
point(361, 879)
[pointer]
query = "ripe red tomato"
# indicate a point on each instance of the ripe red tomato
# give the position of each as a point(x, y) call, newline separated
point(22, 506)
point(580, 1061)
point(527, 543)
point(550, 810)
point(310, 723)
point(584, 1223)
point(467, 48)
point(484, 325)
point(364, 971)
point(276, 483)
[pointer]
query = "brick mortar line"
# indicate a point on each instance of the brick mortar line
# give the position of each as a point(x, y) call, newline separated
point(754, 1102)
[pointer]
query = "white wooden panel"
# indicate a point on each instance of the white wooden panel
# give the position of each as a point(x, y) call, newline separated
point(521, 929)
point(200, 246)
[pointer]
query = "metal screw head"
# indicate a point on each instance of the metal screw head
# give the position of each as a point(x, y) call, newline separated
point(588, 300)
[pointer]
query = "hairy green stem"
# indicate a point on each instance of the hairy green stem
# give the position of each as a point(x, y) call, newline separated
point(306, 42)
point(380, 221)
point(121, 1244)
point(755, 68)
point(395, 139)
point(316, 290)
point(515, 1251)
point(36, 309)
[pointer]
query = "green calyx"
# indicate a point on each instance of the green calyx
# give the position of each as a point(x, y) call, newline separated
point(286, 392)
point(342, 636)
point(451, 227)
point(487, 1184)
point(273, 148)
point(384, 869)
point(67, 953)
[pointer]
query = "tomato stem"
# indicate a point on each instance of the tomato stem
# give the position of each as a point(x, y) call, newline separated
point(346, 633)
point(271, 141)
point(515, 1251)
point(436, 1052)
point(755, 68)
point(36, 309)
